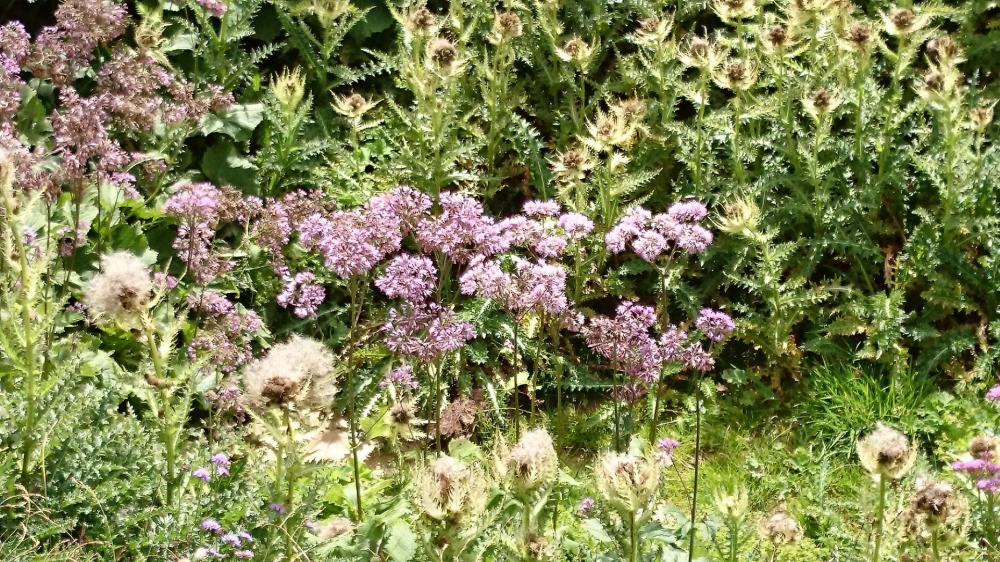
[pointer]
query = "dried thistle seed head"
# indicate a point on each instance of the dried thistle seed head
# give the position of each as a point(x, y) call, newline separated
point(945, 50)
point(885, 452)
point(121, 290)
point(288, 88)
point(442, 52)
point(334, 528)
point(447, 489)
point(539, 548)
point(652, 31)
point(353, 106)
point(632, 110)
point(506, 26)
point(981, 117)
point(856, 37)
point(934, 80)
point(458, 419)
point(986, 447)
point(575, 51)
point(421, 21)
point(777, 36)
point(149, 33)
point(297, 372)
point(740, 217)
point(780, 528)
point(572, 165)
point(933, 505)
point(903, 21)
point(699, 53)
point(279, 390)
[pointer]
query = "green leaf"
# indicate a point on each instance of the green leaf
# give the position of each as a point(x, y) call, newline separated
point(402, 544)
point(237, 121)
point(225, 166)
point(596, 530)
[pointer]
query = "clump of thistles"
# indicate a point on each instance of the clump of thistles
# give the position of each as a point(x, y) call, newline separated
point(121, 291)
point(294, 373)
point(885, 452)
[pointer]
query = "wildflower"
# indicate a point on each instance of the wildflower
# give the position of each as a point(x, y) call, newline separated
point(215, 7)
point(205, 552)
point(449, 490)
point(652, 32)
point(550, 246)
point(777, 39)
point(586, 504)
point(903, 21)
point(442, 55)
point(980, 117)
point(575, 51)
point(732, 504)
point(334, 528)
point(572, 165)
point(626, 341)
point(288, 88)
point(297, 371)
point(532, 462)
point(575, 225)
point(401, 376)
point(537, 208)
point(993, 394)
point(121, 290)
point(628, 482)
point(354, 106)
point(821, 103)
point(714, 324)
point(740, 217)
point(202, 474)
point(231, 539)
point(934, 504)
point(277, 508)
point(458, 419)
point(737, 76)
point(731, 10)
point(402, 418)
point(856, 38)
point(425, 331)
point(985, 447)
point(211, 525)
point(244, 553)
point(226, 331)
point(461, 230)
point(506, 26)
point(327, 11)
point(946, 51)
point(301, 294)
point(781, 528)
point(886, 452)
point(80, 27)
point(665, 450)
point(607, 131)
point(421, 21)
point(699, 53)
point(409, 277)
point(222, 463)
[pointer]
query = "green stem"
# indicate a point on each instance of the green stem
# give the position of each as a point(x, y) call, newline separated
point(633, 553)
point(935, 548)
point(880, 519)
point(517, 405)
point(697, 462)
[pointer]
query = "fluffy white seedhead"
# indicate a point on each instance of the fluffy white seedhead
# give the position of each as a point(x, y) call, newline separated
point(121, 290)
point(886, 452)
point(781, 528)
point(298, 372)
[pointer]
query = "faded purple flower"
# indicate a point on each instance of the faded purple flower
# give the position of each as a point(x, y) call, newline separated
point(202, 474)
point(714, 324)
point(301, 294)
point(402, 376)
point(215, 7)
point(409, 277)
point(586, 504)
point(211, 525)
point(221, 462)
point(576, 225)
point(232, 539)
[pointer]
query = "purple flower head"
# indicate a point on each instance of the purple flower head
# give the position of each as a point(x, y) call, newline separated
point(519, 230)
point(215, 7)
point(401, 376)
point(991, 485)
point(425, 331)
point(409, 277)
point(697, 359)
point(667, 445)
point(14, 46)
point(993, 394)
point(693, 239)
point(485, 278)
point(550, 246)
point(277, 507)
point(302, 294)
point(540, 286)
point(541, 208)
point(211, 525)
point(221, 462)
point(586, 504)
point(245, 553)
point(626, 341)
point(576, 225)
point(409, 205)
point(245, 536)
point(649, 244)
point(232, 539)
point(714, 324)
point(461, 231)
point(202, 474)
point(688, 211)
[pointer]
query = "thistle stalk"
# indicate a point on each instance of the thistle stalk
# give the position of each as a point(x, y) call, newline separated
point(697, 460)
point(880, 519)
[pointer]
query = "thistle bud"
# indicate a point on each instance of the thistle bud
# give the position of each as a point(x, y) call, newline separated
point(737, 76)
point(353, 106)
point(985, 447)
point(442, 56)
point(732, 504)
point(856, 38)
point(730, 10)
point(740, 217)
point(575, 51)
point(652, 31)
point(421, 21)
point(506, 26)
point(572, 165)
point(699, 53)
point(981, 117)
point(628, 482)
point(886, 452)
point(821, 103)
point(289, 88)
point(449, 490)
point(780, 528)
point(903, 21)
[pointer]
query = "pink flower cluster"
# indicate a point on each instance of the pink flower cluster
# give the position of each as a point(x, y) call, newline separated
point(714, 324)
point(225, 335)
point(14, 45)
point(408, 277)
point(984, 470)
point(650, 236)
point(532, 286)
point(401, 377)
point(81, 26)
point(302, 294)
point(627, 341)
point(201, 208)
point(425, 331)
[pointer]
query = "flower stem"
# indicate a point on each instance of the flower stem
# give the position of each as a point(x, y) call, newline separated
point(697, 461)
point(880, 519)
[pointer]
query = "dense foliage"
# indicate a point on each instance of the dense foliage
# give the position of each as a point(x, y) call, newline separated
point(545, 280)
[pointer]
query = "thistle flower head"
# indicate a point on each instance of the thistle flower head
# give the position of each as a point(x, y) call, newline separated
point(732, 10)
point(886, 453)
point(732, 504)
point(288, 88)
point(940, 85)
point(421, 21)
point(903, 21)
point(353, 106)
point(780, 528)
point(933, 505)
point(575, 51)
point(607, 131)
point(856, 38)
point(946, 51)
point(820, 103)
point(981, 116)
point(506, 26)
point(121, 290)
point(532, 462)
point(740, 217)
point(572, 165)
point(985, 447)
point(699, 52)
point(297, 373)
point(448, 490)
point(442, 56)
point(327, 11)
point(736, 75)
point(653, 32)
point(627, 481)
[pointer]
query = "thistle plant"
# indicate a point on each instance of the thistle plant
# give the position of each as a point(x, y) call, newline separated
point(732, 506)
point(531, 469)
point(935, 515)
point(450, 498)
point(629, 483)
point(887, 455)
